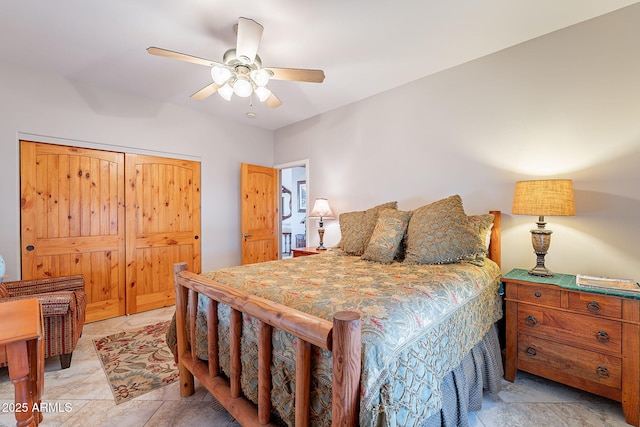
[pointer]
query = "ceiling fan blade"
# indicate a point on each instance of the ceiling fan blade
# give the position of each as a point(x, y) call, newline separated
point(297, 74)
point(249, 36)
point(273, 101)
point(181, 56)
point(205, 92)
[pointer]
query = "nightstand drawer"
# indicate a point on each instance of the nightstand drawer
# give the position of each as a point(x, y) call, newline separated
point(539, 295)
point(575, 329)
point(595, 304)
point(580, 368)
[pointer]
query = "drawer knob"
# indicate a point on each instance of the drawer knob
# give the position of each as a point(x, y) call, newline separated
point(594, 307)
point(538, 294)
point(531, 351)
point(602, 337)
point(602, 372)
point(531, 321)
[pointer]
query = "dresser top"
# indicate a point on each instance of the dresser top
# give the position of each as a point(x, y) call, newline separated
point(567, 281)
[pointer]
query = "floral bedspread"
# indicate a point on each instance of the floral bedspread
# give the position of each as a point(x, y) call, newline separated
point(418, 322)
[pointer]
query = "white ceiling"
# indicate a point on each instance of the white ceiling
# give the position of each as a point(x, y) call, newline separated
point(363, 46)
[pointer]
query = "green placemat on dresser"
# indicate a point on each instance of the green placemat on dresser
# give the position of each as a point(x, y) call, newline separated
point(567, 281)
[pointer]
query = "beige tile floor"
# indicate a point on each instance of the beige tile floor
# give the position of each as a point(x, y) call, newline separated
point(84, 390)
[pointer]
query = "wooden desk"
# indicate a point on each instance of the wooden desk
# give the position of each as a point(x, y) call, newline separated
point(22, 338)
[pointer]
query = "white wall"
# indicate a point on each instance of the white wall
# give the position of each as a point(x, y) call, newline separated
point(565, 105)
point(54, 108)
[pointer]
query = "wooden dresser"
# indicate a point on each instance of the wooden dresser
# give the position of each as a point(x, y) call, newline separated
point(584, 339)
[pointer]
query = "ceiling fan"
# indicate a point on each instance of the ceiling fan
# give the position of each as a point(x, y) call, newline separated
point(241, 71)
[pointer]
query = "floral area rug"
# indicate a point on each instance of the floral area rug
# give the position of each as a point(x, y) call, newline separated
point(137, 362)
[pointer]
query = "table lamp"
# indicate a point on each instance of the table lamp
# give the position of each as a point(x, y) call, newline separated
point(321, 209)
point(543, 197)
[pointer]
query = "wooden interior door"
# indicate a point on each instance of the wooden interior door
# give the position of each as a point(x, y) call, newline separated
point(260, 214)
point(72, 213)
point(163, 227)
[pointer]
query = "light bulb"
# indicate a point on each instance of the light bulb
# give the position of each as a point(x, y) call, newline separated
point(260, 77)
point(263, 93)
point(220, 74)
point(242, 87)
point(226, 91)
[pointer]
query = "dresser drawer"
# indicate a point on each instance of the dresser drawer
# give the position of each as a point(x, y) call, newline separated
point(595, 304)
point(539, 295)
point(576, 329)
point(577, 367)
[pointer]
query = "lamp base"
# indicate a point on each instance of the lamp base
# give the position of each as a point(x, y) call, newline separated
point(541, 271)
point(321, 247)
point(540, 238)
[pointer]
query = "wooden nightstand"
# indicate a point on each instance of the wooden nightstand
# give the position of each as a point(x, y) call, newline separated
point(581, 338)
point(309, 250)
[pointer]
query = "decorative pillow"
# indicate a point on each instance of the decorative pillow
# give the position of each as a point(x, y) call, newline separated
point(4, 293)
point(482, 225)
point(387, 236)
point(356, 228)
point(439, 233)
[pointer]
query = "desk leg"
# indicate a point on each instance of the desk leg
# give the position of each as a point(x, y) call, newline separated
point(36, 375)
point(18, 361)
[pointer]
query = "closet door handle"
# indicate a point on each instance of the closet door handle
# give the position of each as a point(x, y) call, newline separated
point(246, 235)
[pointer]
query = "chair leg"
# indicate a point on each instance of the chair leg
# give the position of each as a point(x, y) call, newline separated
point(65, 360)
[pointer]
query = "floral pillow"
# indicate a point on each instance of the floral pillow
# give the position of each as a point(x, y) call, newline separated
point(439, 233)
point(356, 228)
point(386, 239)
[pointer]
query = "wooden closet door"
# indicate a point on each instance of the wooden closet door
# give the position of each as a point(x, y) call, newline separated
point(72, 212)
point(163, 227)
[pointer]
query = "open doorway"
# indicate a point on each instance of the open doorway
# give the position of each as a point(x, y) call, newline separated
point(293, 193)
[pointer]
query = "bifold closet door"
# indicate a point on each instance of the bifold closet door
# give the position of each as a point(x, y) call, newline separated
point(72, 213)
point(163, 227)
point(121, 220)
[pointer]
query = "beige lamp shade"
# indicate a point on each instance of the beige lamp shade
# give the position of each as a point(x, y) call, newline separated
point(553, 197)
point(321, 209)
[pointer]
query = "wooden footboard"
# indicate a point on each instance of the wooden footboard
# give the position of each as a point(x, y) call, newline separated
point(342, 338)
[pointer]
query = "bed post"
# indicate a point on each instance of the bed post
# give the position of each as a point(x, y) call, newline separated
point(186, 377)
point(346, 368)
point(495, 249)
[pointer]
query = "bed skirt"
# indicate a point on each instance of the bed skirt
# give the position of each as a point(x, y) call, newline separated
point(462, 389)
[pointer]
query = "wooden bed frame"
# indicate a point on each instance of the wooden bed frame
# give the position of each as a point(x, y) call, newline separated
point(341, 337)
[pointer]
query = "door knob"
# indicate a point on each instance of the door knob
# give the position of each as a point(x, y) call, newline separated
point(246, 235)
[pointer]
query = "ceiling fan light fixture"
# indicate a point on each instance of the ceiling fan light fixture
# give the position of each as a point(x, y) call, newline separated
point(225, 92)
point(242, 87)
point(263, 93)
point(220, 74)
point(260, 77)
